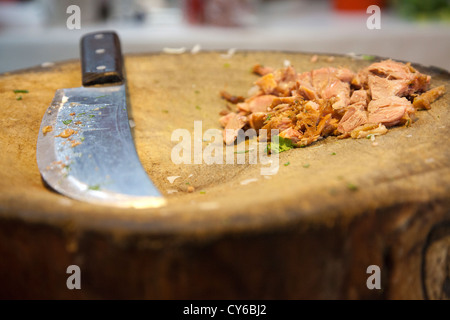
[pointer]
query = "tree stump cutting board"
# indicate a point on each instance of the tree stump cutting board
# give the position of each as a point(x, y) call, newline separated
point(308, 232)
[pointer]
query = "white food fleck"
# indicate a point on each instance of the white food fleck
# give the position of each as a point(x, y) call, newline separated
point(287, 63)
point(172, 178)
point(244, 182)
point(196, 49)
point(47, 64)
point(429, 160)
point(132, 123)
point(174, 50)
point(229, 54)
point(170, 191)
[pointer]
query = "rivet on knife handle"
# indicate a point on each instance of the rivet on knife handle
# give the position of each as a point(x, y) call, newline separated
point(101, 59)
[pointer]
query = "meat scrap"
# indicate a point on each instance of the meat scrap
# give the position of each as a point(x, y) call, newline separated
point(261, 70)
point(311, 105)
point(425, 100)
point(230, 98)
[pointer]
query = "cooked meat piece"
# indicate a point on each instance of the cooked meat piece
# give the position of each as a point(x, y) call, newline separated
point(281, 123)
point(226, 118)
point(291, 133)
point(360, 81)
point(232, 128)
point(304, 88)
point(281, 107)
point(282, 100)
point(267, 83)
point(354, 117)
point(368, 129)
point(413, 81)
point(419, 83)
point(230, 98)
point(382, 87)
point(256, 120)
point(389, 111)
point(343, 74)
point(313, 105)
point(304, 78)
point(261, 70)
point(390, 69)
point(359, 96)
point(306, 91)
point(340, 90)
point(425, 100)
point(243, 107)
point(286, 75)
point(320, 79)
point(260, 103)
point(330, 83)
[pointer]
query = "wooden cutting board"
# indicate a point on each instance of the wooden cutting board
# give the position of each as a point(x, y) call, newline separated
point(308, 232)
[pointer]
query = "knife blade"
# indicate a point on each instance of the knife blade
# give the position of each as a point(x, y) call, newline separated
point(85, 149)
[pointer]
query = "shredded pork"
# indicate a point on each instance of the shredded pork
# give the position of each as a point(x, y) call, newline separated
point(308, 106)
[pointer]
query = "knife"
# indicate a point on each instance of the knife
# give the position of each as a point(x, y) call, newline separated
point(85, 149)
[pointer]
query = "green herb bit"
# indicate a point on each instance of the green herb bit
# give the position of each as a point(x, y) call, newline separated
point(202, 192)
point(198, 107)
point(268, 117)
point(66, 122)
point(187, 183)
point(91, 116)
point(287, 163)
point(283, 145)
point(20, 91)
point(165, 111)
point(81, 114)
point(19, 98)
point(306, 165)
point(242, 151)
point(197, 92)
point(82, 139)
point(226, 65)
point(100, 97)
point(368, 57)
point(408, 122)
point(94, 187)
point(352, 187)
point(333, 154)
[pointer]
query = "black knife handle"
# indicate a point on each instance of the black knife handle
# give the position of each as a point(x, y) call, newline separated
point(101, 59)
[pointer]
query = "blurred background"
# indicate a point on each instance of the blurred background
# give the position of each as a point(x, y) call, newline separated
point(35, 32)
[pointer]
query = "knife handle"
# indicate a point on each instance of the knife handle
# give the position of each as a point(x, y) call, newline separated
point(101, 59)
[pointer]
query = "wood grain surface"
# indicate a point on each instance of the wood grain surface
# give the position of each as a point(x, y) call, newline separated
point(302, 233)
